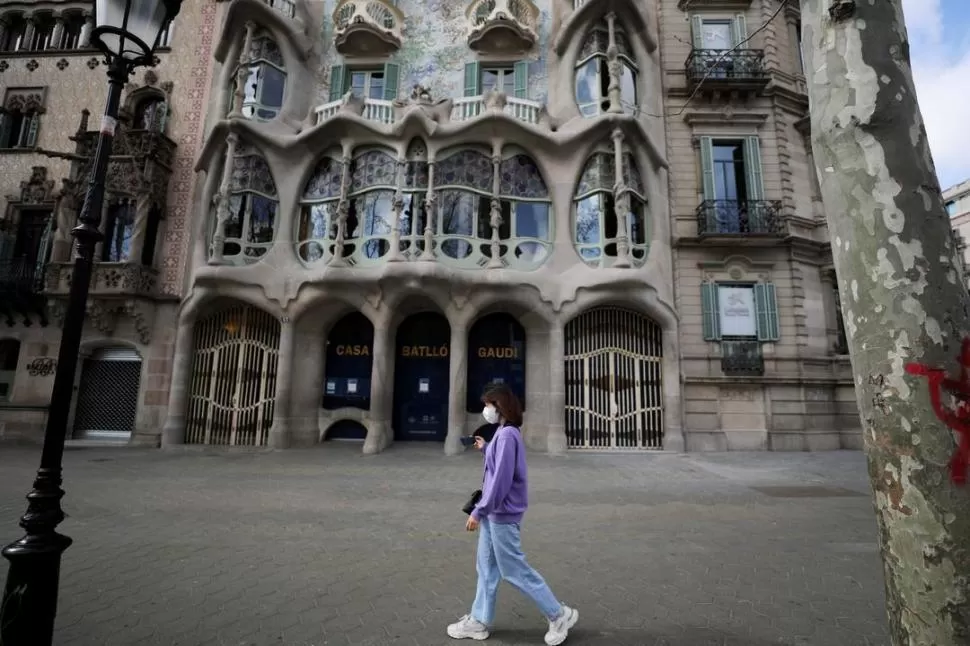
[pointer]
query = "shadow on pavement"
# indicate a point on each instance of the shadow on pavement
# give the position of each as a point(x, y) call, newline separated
point(663, 636)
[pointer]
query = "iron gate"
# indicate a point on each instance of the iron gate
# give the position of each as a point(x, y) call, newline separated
point(233, 390)
point(614, 385)
point(107, 395)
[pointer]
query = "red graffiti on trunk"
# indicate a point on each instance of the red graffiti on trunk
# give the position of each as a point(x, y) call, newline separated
point(957, 418)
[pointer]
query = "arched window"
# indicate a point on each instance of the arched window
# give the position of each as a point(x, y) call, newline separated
point(43, 34)
point(251, 225)
point(593, 73)
point(373, 182)
point(13, 38)
point(19, 125)
point(318, 217)
point(596, 230)
point(151, 113)
point(263, 95)
point(73, 26)
point(9, 356)
point(466, 184)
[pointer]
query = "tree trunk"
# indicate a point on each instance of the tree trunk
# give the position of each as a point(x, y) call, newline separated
point(904, 300)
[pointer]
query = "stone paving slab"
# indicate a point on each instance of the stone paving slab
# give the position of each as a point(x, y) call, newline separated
point(328, 547)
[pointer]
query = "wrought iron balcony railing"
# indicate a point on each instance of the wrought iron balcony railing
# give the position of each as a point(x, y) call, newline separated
point(734, 217)
point(717, 66)
point(742, 357)
point(20, 278)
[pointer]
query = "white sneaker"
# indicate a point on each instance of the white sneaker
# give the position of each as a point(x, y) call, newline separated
point(470, 628)
point(559, 629)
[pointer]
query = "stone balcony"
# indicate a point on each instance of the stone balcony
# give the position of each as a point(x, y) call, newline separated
point(21, 292)
point(442, 111)
point(117, 289)
point(367, 27)
point(502, 26)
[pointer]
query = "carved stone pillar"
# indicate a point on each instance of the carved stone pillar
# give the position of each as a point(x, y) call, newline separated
point(431, 216)
point(57, 35)
point(143, 210)
point(279, 432)
point(222, 201)
point(614, 65)
point(173, 431)
point(109, 201)
point(458, 373)
point(29, 30)
point(556, 441)
point(242, 73)
point(343, 210)
point(495, 213)
point(621, 204)
point(395, 255)
point(85, 40)
point(65, 217)
point(382, 375)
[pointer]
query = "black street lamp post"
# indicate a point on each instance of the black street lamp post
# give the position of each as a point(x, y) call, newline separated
point(127, 32)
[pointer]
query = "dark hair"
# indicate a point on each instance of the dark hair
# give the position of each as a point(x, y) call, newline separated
point(505, 402)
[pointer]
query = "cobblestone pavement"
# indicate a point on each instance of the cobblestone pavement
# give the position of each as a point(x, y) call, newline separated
point(328, 547)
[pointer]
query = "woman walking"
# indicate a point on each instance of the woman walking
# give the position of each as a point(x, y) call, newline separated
point(498, 516)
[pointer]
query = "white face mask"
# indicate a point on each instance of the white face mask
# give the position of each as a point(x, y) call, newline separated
point(490, 414)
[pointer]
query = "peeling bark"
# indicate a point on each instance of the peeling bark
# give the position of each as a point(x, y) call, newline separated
point(903, 300)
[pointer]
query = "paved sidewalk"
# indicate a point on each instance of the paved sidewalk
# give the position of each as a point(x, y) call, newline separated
point(328, 547)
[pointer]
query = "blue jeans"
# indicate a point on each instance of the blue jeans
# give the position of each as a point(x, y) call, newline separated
point(500, 557)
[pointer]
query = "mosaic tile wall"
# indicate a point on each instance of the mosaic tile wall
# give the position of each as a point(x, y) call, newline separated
point(435, 48)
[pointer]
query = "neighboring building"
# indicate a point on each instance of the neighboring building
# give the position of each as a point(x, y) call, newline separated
point(957, 201)
point(53, 87)
point(404, 201)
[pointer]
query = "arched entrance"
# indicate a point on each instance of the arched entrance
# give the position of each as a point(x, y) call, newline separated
point(614, 381)
point(350, 360)
point(496, 353)
point(232, 394)
point(422, 378)
point(107, 394)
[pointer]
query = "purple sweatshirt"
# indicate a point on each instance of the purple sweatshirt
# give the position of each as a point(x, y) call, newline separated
point(505, 495)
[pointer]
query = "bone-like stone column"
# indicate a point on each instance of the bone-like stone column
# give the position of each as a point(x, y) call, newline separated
point(382, 369)
point(621, 204)
point(222, 201)
point(614, 66)
point(458, 373)
point(556, 442)
point(394, 254)
point(242, 73)
point(495, 213)
point(173, 432)
point(431, 215)
point(279, 432)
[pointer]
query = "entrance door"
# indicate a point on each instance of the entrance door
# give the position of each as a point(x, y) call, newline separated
point(107, 395)
point(421, 378)
point(233, 392)
point(614, 386)
point(349, 363)
point(496, 354)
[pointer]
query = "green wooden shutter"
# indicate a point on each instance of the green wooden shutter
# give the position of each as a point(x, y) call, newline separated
point(707, 167)
point(766, 306)
point(521, 73)
point(33, 127)
point(473, 78)
point(697, 31)
point(739, 29)
point(337, 76)
point(752, 166)
point(4, 130)
point(392, 79)
point(43, 249)
point(710, 315)
point(160, 117)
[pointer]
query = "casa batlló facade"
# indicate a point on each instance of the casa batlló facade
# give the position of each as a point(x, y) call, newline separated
point(608, 205)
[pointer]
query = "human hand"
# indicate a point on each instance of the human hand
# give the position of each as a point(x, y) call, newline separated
point(471, 524)
point(479, 442)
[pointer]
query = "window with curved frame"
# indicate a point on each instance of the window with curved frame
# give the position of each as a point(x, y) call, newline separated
point(151, 113)
point(253, 205)
point(414, 215)
point(464, 181)
point(370, 216)
point(318, 215)
point(593, 72)
point(595, 232)
point(266, 85)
